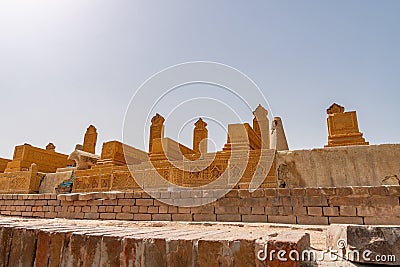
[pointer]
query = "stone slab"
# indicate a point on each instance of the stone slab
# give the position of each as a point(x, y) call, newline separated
point(59, 242)
point(374, 244)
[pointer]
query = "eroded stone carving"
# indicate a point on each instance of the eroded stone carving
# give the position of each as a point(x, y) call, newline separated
point(83, 160)
point(21, 182)
point(47, 160)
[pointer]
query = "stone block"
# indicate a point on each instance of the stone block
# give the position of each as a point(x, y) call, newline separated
point(184, 210)
point(384, 201)
point(226, 210)
point(366, 211)
point(382, 220)
point(258, 193)
point(126, 209)
point(346, 220)
point(229, 218)
point(315, 201)
point(69, 197)
point(331, 211)
point(126, 202)
point(378, 191)
point(110, 251)
point(254, 218)
point(290, 219)
point(205, 217)
point(88, 196)
point(144, 202)
point(299, 210)
point(313, 191)
point(285, 210)
point(181, 252)
point(350, 201)
point(163, 209)
point(369, 241)
point(91, 215)
point(232, 194)
point(110, 202)
point(142, 217)
point(246, 210)
point(124, 216)
point(161, 217)
point(286, 244)
point(348, 211)
point(182, 217)
point(257, 210)
point(142, 209)
point(312, 220)
point(107, 216)
point(226, 252)
point(314, 211)
point(155, 252)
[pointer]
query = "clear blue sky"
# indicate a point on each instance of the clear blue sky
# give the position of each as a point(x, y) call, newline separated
point(67, 64)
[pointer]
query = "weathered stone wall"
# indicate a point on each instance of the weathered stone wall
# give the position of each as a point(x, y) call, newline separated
point(340, 166)
point(358, 205)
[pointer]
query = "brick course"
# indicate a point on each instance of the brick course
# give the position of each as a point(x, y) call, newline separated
point(361, 205)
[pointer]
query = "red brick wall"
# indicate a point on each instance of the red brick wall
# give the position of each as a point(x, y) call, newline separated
point(359, 205)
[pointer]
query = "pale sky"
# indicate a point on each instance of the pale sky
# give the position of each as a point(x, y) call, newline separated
point(67, 64)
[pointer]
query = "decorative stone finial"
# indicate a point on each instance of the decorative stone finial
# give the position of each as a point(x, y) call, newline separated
point(156, 129)
point(260, 113)
point(200, 135)
point(91, 129)
point(335, 108)
point(200, 123)
point(157, 119)
point(261, 126)
point(51, 147)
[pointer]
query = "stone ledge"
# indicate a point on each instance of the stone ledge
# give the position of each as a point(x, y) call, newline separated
point(72, 243)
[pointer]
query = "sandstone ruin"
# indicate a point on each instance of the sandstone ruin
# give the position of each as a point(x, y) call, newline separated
point(348, 181)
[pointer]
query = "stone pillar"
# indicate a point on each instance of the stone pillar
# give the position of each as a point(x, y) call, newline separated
point(278, 137)
point(34, 179)
point(200, 133)
point(89, 142)
point(156, 129)
point(261, 126)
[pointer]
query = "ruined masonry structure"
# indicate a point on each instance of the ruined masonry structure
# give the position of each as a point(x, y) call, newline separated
point(343, 127)
point(89, 143)
point(347, 181)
